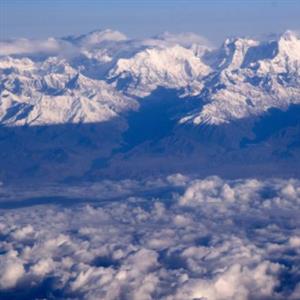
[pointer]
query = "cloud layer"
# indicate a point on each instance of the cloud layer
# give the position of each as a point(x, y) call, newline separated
point(25, 46)
point(73, 45)
point(195, 239)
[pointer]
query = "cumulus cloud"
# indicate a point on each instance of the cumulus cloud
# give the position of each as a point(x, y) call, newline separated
point(167, 238)
point(236, 282)
point(22, 233)
point(12, 270)
point(213, 189)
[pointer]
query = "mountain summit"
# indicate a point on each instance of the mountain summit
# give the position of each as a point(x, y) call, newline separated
point(119, 102)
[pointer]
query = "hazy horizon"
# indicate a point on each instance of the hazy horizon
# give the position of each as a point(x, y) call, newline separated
point(214, 20)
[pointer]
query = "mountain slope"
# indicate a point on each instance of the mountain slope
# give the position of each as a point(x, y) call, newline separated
point(250, 77)
point(52, 92)
point(170, 67)
point(103, 105)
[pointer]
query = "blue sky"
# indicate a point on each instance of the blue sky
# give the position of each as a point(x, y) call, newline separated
point(214, 19)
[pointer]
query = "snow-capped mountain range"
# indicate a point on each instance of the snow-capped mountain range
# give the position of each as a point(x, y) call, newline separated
point(104, 77)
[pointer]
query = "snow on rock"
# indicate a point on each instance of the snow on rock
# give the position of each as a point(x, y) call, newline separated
point(249, 78)
point(242, 79)
point(172, 67)
point(52, 92)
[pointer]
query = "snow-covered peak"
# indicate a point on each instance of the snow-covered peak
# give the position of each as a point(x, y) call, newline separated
point(171, 67)
point(53, 92)
point(24, 64)
point(289, 35)
point(239, 49)
point(289, 45)
point(231, 54)
point(243, 78)
point(250, 77)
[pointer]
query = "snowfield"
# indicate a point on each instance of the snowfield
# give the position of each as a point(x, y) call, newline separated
point(168, 238)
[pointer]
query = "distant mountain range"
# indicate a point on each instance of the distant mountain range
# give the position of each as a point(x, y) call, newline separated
point(102, 105)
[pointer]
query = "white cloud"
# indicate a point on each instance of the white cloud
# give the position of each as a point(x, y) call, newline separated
point(217, 239)
point(12, 270)
point(50, 46)
point(294, 241)
point(185, 39)
point(178, 179)
point(99, 36)
point(22, 233)
point(42, 267)
point(236, 282)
